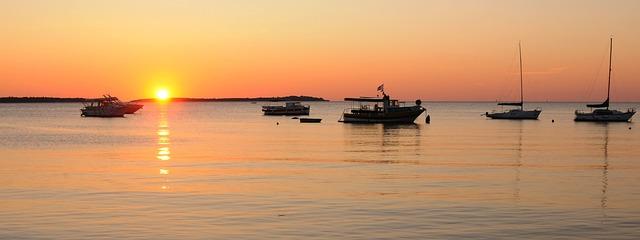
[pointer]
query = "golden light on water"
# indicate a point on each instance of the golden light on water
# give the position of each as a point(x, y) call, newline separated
point(164, 152)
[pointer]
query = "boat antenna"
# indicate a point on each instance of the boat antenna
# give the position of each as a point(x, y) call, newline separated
point(609, 84)
point(521, 91)
point(381, 89)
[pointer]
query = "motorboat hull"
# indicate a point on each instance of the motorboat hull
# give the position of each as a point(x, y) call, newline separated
point(131, 108)
point(516, 115)
point(614, 116)
point(105, 112)
point(383, 117)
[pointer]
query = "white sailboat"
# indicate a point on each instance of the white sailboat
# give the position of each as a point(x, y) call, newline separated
point(601, 112)
point(516, 113)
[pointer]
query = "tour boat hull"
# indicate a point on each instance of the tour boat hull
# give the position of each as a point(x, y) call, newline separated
point(405, 116)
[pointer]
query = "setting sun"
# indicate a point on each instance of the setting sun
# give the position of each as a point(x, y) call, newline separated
point(162, 94)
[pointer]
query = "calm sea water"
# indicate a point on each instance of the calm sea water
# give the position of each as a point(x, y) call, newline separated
point(222, 171)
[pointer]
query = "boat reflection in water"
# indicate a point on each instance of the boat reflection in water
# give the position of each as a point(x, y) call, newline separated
point(518, 164)
point(605, 170)
point(384, 143)
point(164, 152)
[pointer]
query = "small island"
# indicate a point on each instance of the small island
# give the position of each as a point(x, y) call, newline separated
point(79, 100)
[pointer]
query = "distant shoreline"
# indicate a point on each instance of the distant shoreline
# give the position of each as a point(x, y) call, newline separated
point(256, 99)
point(80, 100)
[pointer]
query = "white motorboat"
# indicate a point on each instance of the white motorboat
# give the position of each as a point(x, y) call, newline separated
point(102, 108)
point(289, 109)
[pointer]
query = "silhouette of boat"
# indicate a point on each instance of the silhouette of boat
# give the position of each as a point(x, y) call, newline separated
point(391, 110)
point(602, 113)
point(289, 109)
point(130, 108)
point(101, 108)
point(516, 113)
point(310, 120)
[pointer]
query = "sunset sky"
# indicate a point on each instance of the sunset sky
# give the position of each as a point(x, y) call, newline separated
point(433, 50)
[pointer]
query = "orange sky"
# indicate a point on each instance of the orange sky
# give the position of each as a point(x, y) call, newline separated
point(433, 50)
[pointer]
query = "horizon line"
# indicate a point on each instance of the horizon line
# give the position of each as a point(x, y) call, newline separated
point(304, 96)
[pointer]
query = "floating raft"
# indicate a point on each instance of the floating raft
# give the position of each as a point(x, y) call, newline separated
point(310, 120)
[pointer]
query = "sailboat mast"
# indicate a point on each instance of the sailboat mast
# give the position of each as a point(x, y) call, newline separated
point(521, 87)
point(609, 85)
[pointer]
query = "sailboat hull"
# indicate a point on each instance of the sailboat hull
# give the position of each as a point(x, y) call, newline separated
point(609, 116)
point(516, 114)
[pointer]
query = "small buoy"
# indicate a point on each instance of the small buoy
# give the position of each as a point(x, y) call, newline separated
point(428, 120)
point(277, 123)
point(553, 120)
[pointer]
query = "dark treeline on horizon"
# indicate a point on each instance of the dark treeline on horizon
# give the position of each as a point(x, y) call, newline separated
point(40, 100)
point(74, 100)
point(256, 99)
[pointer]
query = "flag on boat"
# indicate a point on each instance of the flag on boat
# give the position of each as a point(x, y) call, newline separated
point(381, 88)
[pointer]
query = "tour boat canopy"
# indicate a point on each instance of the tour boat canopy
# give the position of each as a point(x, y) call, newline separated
point(365, 99)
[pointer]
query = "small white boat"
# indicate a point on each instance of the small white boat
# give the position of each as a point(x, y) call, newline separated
point(518, 113)
point(289, 109)
point(102, 108)
point(310, 120)
point(602, 113)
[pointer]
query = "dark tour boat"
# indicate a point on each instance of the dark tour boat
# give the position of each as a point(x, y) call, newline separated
point(384, 110)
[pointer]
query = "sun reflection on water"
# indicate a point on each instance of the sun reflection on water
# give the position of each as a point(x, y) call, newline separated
point(164, 153)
